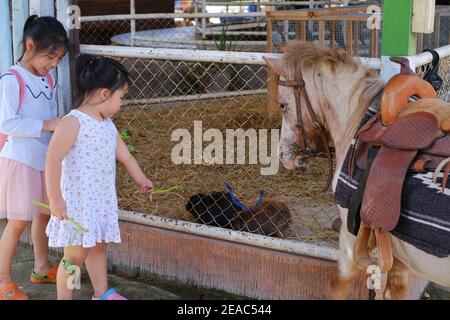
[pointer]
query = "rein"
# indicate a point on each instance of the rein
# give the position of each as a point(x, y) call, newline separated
point(298, 84)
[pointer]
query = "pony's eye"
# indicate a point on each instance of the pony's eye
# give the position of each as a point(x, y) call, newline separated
point(283, 106)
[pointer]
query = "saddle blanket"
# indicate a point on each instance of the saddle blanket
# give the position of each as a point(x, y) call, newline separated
point(425, 210)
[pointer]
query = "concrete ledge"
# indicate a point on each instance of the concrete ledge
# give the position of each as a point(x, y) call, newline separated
point(238, 268)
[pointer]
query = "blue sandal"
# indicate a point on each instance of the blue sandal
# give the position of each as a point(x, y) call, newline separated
point(111, 294)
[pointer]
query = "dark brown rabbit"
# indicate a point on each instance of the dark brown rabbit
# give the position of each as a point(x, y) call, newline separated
point(271, 218)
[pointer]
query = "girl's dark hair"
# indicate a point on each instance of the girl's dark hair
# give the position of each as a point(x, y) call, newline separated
point(95, 73)
point(46, 33)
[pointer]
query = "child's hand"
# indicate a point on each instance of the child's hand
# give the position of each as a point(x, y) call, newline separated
point(146, 186)
point(51, 125)
point(59, 209)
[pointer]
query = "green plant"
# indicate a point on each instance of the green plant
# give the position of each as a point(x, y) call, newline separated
point(221, 44)
point(68, 266)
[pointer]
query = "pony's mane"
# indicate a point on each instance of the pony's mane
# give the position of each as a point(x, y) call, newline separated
point(307, 56)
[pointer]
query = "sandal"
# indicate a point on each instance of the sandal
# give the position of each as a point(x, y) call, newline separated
point(48, 277)
point(12, 292)
point(111, 294)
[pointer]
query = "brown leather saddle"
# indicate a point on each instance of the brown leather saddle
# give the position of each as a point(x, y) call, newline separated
point(404, 137)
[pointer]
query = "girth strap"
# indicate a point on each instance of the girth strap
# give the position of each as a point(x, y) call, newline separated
point(354, 207)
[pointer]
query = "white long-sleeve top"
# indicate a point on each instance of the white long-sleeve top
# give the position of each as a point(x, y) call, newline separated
point(26, 143)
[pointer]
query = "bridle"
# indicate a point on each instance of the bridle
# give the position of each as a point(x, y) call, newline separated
point(298, 84)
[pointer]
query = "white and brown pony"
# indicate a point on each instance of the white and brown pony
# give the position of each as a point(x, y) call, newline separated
point(340, 91)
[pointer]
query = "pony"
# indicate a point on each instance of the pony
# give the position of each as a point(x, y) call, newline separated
point(340, 91)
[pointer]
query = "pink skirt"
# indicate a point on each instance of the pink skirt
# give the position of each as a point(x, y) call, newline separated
point(19, 186)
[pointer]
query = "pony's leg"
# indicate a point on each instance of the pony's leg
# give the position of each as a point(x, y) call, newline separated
point(346, 271)
point(397, 282)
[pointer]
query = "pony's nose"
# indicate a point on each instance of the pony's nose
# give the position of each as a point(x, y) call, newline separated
point(281, 155)
point(303, 161)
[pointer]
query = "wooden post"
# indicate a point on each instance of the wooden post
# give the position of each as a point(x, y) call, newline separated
point(66, 69)
point(349, 36)
point(332, 25)
point(20, 15)
point(322, 33)
point(74, 51)
point(203, 20)
point(269, 32)
point(374, 52)
point(195, 3)
point(420, 42)
point(6, 53)
point(132, 22)
point(302, 35)
point(357, 31)
point(42, 7)
point(437, 30)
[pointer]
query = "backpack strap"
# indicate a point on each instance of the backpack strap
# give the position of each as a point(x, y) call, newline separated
point(21, 87)
point(21, 82)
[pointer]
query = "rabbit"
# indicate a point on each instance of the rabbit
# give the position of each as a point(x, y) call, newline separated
point(271, 218)
point(214, 209)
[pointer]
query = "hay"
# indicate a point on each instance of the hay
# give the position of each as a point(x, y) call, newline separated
point(151, 130)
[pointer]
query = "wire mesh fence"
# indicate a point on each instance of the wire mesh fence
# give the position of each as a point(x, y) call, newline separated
point(103, 32)
point(349, 32)
point(244, 34)
point(224, 104)
point(210, 102)
point(207, 27)
point(441, 35)
point(199, 97)
point(444, 72)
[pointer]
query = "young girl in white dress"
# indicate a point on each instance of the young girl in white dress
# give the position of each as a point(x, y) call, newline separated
point(81, 172)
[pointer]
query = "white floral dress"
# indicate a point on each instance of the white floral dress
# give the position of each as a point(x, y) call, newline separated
point(88, 186)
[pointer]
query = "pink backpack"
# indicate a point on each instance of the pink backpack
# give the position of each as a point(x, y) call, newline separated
point(4, 137)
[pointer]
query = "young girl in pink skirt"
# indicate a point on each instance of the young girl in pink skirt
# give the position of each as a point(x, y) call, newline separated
point(81, 176)
point(22, 157)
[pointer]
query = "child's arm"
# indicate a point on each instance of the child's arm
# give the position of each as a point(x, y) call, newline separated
point(63, 139)
point(132, 167)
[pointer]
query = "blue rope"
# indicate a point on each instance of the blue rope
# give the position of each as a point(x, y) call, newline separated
point(241, 205)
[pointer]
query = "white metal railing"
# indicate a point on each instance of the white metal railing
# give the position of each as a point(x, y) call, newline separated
point(422, 62)
point(322, 250)
point(424, 58)
point(196, 55)
point(145, 16)
point(192, 55)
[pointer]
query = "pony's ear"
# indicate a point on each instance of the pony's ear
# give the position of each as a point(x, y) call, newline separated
point(276, 64)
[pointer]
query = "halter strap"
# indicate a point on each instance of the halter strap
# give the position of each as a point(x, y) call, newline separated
point(298, 84)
